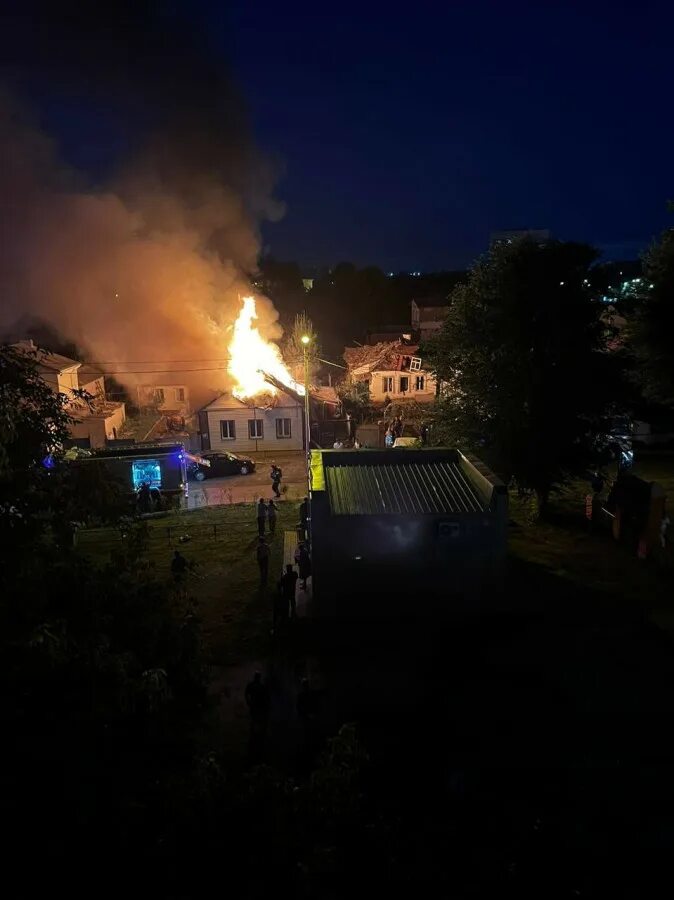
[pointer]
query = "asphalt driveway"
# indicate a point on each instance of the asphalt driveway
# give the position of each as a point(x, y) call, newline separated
point(249, 488)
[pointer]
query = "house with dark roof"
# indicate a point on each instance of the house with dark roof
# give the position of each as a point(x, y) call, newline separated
point(416, 525)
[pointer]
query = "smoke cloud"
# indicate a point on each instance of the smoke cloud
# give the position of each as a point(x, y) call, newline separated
point(148, 261)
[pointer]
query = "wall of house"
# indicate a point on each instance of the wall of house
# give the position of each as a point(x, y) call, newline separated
point(148, 393)
point(100, 428)
point(378, 394)
point(93, 386)
point(242, 443)
point(63, 382)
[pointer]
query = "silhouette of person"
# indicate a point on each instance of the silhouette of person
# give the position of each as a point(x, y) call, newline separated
point(261, 516)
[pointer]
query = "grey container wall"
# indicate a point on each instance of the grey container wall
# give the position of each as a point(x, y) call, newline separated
point(391, 538)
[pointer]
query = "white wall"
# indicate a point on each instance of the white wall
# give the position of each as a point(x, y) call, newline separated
point(99, 428)
point(242, 443)
point(378, 394)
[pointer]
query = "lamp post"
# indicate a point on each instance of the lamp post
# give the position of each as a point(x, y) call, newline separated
point(306, 340)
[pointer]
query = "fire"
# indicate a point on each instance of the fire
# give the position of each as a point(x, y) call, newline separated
point(251, 357)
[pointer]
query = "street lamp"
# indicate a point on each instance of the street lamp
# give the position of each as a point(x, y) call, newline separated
point(306, 340)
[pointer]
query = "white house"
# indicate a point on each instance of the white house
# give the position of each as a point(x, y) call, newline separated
point(96, 421)
point(393, 371)
point(267, 424)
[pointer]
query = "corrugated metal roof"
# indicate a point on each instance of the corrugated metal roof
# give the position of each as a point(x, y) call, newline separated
point(401, 489)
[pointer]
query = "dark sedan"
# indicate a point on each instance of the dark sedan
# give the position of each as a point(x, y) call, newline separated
point(221, 464)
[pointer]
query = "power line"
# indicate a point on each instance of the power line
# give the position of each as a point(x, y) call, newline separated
point(161, 371)
point(149, 362)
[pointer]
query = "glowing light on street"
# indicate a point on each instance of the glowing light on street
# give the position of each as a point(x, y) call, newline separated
point(251, 357)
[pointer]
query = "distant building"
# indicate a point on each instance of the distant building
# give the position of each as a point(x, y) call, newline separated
point(99, 420)
point(540, 235)
point(168, 397)
point(428, 315)
point(393, 371)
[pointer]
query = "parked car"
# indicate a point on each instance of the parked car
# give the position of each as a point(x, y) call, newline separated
point(221, 464)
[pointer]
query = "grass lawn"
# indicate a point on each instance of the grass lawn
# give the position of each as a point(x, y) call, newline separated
point(236, 615)
point(564, 546)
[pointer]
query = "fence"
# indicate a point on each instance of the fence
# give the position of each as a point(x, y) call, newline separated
point(162, 535)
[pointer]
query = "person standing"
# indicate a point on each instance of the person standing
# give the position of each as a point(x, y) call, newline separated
point(271, 515)
point(178, 567)
point(144, 497)
point(287, 587)
point(304, 565)
point(263, 560)
point(304, 518)
point(276, 475)
point(261, 516)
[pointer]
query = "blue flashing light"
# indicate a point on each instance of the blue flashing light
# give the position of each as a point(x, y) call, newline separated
point(49, 462)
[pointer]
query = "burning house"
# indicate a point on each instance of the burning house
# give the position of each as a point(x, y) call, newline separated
point(264, 411)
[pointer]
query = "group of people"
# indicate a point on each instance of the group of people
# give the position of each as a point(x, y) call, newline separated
point(266, 512)
point(394, 429)
point(347, 444)
point(149, 499)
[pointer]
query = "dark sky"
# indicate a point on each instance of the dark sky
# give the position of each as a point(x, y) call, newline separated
point(405, 133)
point(410, 131)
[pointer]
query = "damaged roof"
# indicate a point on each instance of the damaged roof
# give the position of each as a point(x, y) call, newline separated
point(361, 360)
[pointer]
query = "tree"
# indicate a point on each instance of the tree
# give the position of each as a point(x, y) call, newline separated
point(651, 329)
point(294, 348)
point(34, 424)
point(355, 398)
point(524, 381)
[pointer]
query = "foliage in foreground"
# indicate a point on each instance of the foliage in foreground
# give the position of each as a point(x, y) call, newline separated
point(651, 331)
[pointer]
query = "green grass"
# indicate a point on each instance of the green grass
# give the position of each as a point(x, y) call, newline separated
point(236, 615)
point(564, 546)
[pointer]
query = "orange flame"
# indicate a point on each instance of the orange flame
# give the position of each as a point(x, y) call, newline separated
point(251, 357)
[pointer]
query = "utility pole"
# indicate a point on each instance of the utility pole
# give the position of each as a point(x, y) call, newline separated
point(307, 407)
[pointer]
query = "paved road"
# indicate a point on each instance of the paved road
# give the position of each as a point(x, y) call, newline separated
point(249, 488)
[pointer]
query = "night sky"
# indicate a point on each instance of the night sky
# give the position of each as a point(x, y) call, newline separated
point(402, 138)
point(408, 135)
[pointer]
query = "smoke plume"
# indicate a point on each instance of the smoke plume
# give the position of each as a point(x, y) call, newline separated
point(147, 261)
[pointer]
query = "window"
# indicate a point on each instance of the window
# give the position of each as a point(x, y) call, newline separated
point(159, 395)
point(404, 384)
point(180, 395)
point(420, 383)
point(283, 428)
point(255, 430)
point(387, 384)
point(227, 430)
point(415, 364)
point(146, 470)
